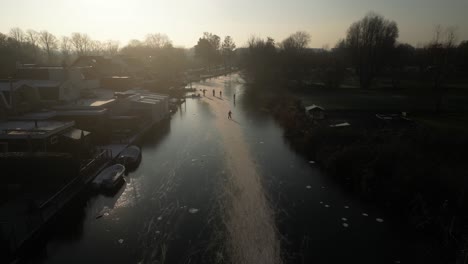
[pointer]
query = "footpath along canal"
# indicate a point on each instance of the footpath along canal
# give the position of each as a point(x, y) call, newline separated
point(214, 190)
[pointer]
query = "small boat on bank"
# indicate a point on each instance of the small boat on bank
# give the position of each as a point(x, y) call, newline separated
point(130, 157)
point(110, 177)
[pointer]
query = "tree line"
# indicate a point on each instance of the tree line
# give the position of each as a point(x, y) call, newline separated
point(155, 50)
point(43, 47)
point(211, 51)
point(370, 50)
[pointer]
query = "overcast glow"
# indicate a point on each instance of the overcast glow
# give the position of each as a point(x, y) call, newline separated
point(185, 21)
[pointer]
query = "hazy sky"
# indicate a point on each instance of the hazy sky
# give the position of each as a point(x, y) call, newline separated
point(185, 21)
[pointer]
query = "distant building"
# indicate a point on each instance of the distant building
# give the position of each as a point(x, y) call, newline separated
point(137, 108)
point(17, 97)
point(118, 73)
point(117, 83)
point(89, 114)
point(98, 66)
point(41, 136)
point(315, 112)
point(102, 66)
point(133, 67)
point(54, 84)
point(151, 105)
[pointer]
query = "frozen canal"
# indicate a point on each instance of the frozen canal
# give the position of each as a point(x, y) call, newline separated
point(213, 190)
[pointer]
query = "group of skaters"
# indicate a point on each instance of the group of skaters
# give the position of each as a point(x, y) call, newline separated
point(220, 93)
point(220, 96)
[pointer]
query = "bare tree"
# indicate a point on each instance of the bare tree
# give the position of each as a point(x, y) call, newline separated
point(18, 35)
point(48, 42)
point(65, 48)
point(208, 49)
point(297, 41)
point(228, 44)
point(213, 39)
point(294, 58)
point(134, 43)
point(437, 34)
point(440, 50)
point(81, 43)
point(261, 61)
point(451, 37)
point(65, 45)
point(227, 49)
point(111, 47)
point(158, 41)
point(95, 47)
point(32, 37)
point(370, 42)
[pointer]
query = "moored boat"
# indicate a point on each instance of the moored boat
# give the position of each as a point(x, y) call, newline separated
point(130, 157)
point(110, 177)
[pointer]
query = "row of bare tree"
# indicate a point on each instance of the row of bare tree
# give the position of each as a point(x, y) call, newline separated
point(77, 43)
point(43, 47)
point(370, 48)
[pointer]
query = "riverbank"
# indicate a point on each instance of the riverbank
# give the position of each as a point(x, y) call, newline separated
point(412, 170)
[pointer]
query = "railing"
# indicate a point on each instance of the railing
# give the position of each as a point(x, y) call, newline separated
point(90, 168)
point(51, 205)
point(12, 236)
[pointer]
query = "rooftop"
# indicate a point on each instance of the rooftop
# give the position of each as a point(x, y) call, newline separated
point(75, 134)
point(118, 77)
point(94, 102)
point(146, 101)
point(43, 115)
point(314, 107)
point(43, 83)
point(40, 73)
point(142, 92)
point(81, 112)
point(32, 129)
point(5, 85)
